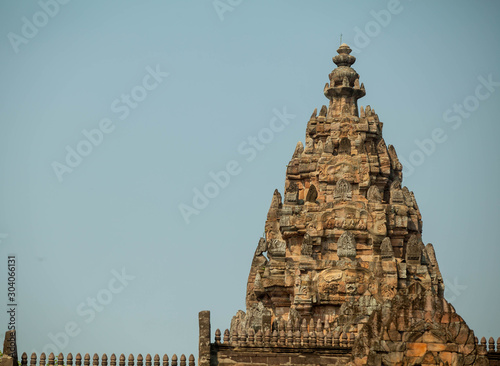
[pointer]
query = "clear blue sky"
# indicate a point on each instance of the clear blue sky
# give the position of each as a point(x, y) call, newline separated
point(179, 89)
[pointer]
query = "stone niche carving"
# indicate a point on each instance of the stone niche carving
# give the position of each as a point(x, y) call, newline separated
point(342, 190)
point(373, 194)
point(277, 248)
point(309, 146)
point(386, 251)
point(345, 146)
point(312, 194)
point(258, 289)
point(292, 192)
point(306, 245)
point(346, 246)
point(414, 250)
point(328, 146)
point(302, 288)
point(319, 147)
point(397, 193)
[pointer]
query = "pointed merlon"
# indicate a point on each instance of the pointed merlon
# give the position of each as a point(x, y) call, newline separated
point(323, 111)
point(276, 202)
point(315, 113)
point(319, 326)
point(299, 149)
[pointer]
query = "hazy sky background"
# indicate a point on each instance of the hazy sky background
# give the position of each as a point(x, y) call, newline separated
point(228, 73)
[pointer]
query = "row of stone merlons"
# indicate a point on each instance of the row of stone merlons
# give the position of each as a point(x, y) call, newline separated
point(282, 338)
point(113, 360)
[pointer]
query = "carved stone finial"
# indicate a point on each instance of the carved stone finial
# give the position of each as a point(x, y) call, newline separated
point(491, 344)
point(344, 58)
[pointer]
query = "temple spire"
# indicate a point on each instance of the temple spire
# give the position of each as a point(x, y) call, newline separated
point(344, 89)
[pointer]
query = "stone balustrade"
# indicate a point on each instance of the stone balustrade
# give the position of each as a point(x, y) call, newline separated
point(105, 361)
point(286, 338)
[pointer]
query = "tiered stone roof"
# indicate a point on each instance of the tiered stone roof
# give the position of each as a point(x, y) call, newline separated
point(343, 245)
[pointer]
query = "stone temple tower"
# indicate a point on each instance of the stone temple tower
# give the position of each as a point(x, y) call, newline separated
point(342, 275)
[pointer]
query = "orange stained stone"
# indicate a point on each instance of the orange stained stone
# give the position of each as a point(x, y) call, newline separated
point(416, 349)
point(438, 347)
